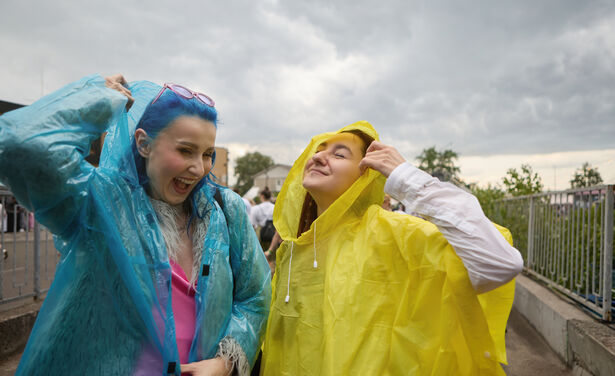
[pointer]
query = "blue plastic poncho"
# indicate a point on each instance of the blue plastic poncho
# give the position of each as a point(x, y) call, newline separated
point(108, 311)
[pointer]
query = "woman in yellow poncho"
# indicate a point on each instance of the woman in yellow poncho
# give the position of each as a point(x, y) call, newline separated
point(362, 291)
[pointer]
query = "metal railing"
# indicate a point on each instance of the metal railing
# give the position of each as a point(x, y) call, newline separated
point(566, 239)
point(29, 258)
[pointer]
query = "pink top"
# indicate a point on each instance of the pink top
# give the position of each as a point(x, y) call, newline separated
point(184, 311)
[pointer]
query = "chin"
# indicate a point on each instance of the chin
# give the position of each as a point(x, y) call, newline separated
point(310, 182)
point(315, 189)
point(175, 200)
point(310, 186)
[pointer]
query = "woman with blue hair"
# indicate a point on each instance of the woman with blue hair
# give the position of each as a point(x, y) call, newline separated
point(161, 272)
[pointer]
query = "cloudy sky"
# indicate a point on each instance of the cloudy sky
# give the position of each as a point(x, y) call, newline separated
point(501, 83)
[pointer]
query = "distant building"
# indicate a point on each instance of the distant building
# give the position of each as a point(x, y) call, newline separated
point(220, 169)
point(272, 177)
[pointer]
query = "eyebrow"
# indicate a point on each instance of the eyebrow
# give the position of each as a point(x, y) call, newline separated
point(187, 143)
point(194, 146)
point(336, 146)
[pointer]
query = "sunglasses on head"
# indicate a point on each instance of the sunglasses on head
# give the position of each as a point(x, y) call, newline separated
point(186, 94)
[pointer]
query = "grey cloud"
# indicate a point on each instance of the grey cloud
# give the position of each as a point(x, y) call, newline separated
point(483, 78)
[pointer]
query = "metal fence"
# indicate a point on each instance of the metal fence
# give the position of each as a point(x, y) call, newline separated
point(566, 239)
point(29, 258)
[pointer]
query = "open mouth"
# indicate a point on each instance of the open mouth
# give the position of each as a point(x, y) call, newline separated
point(183, 185)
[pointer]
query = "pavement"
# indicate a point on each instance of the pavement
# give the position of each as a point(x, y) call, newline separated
point(528, 353)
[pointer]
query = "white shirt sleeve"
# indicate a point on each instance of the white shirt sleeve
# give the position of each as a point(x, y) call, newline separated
point(248, 207)
point(489, 259)
point(255, 216)
point(268, 210)
point(261, 213)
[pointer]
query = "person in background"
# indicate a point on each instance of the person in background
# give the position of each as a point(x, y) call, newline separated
point(262, 218)
point(16, 216)
point(270, 253)
point(386, 203)
point(246, 202)
point(3, 217)
point(359, 290)
point(400, 208)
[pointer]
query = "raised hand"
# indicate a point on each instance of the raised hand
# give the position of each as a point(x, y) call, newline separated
point(382, 158)
point(118, 82)
point(208, 367)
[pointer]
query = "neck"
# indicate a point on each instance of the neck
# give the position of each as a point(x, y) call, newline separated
point(322, 204)
point(181, 212)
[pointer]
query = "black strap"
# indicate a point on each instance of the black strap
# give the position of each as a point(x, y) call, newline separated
point(205, 271)
point(171, 367)
point(218, 198)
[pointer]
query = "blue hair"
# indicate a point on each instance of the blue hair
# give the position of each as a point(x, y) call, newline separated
point(159, 115)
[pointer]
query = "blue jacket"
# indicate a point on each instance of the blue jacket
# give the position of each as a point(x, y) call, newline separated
point(108, 311)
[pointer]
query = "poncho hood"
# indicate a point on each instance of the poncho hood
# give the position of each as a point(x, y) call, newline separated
point(367, 190)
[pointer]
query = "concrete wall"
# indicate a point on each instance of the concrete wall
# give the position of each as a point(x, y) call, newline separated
point(15, 328)
point(584, 343)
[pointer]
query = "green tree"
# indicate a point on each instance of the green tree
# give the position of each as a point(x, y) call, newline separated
point(440, 164)
point(586, 176)
point(487, 197)
point(248, 166)
point(524, 182)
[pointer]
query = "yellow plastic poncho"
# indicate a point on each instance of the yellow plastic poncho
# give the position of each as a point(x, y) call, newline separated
point(389, 296)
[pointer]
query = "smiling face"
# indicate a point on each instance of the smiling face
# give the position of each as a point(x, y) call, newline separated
point(178, 158)
point(333, 168)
